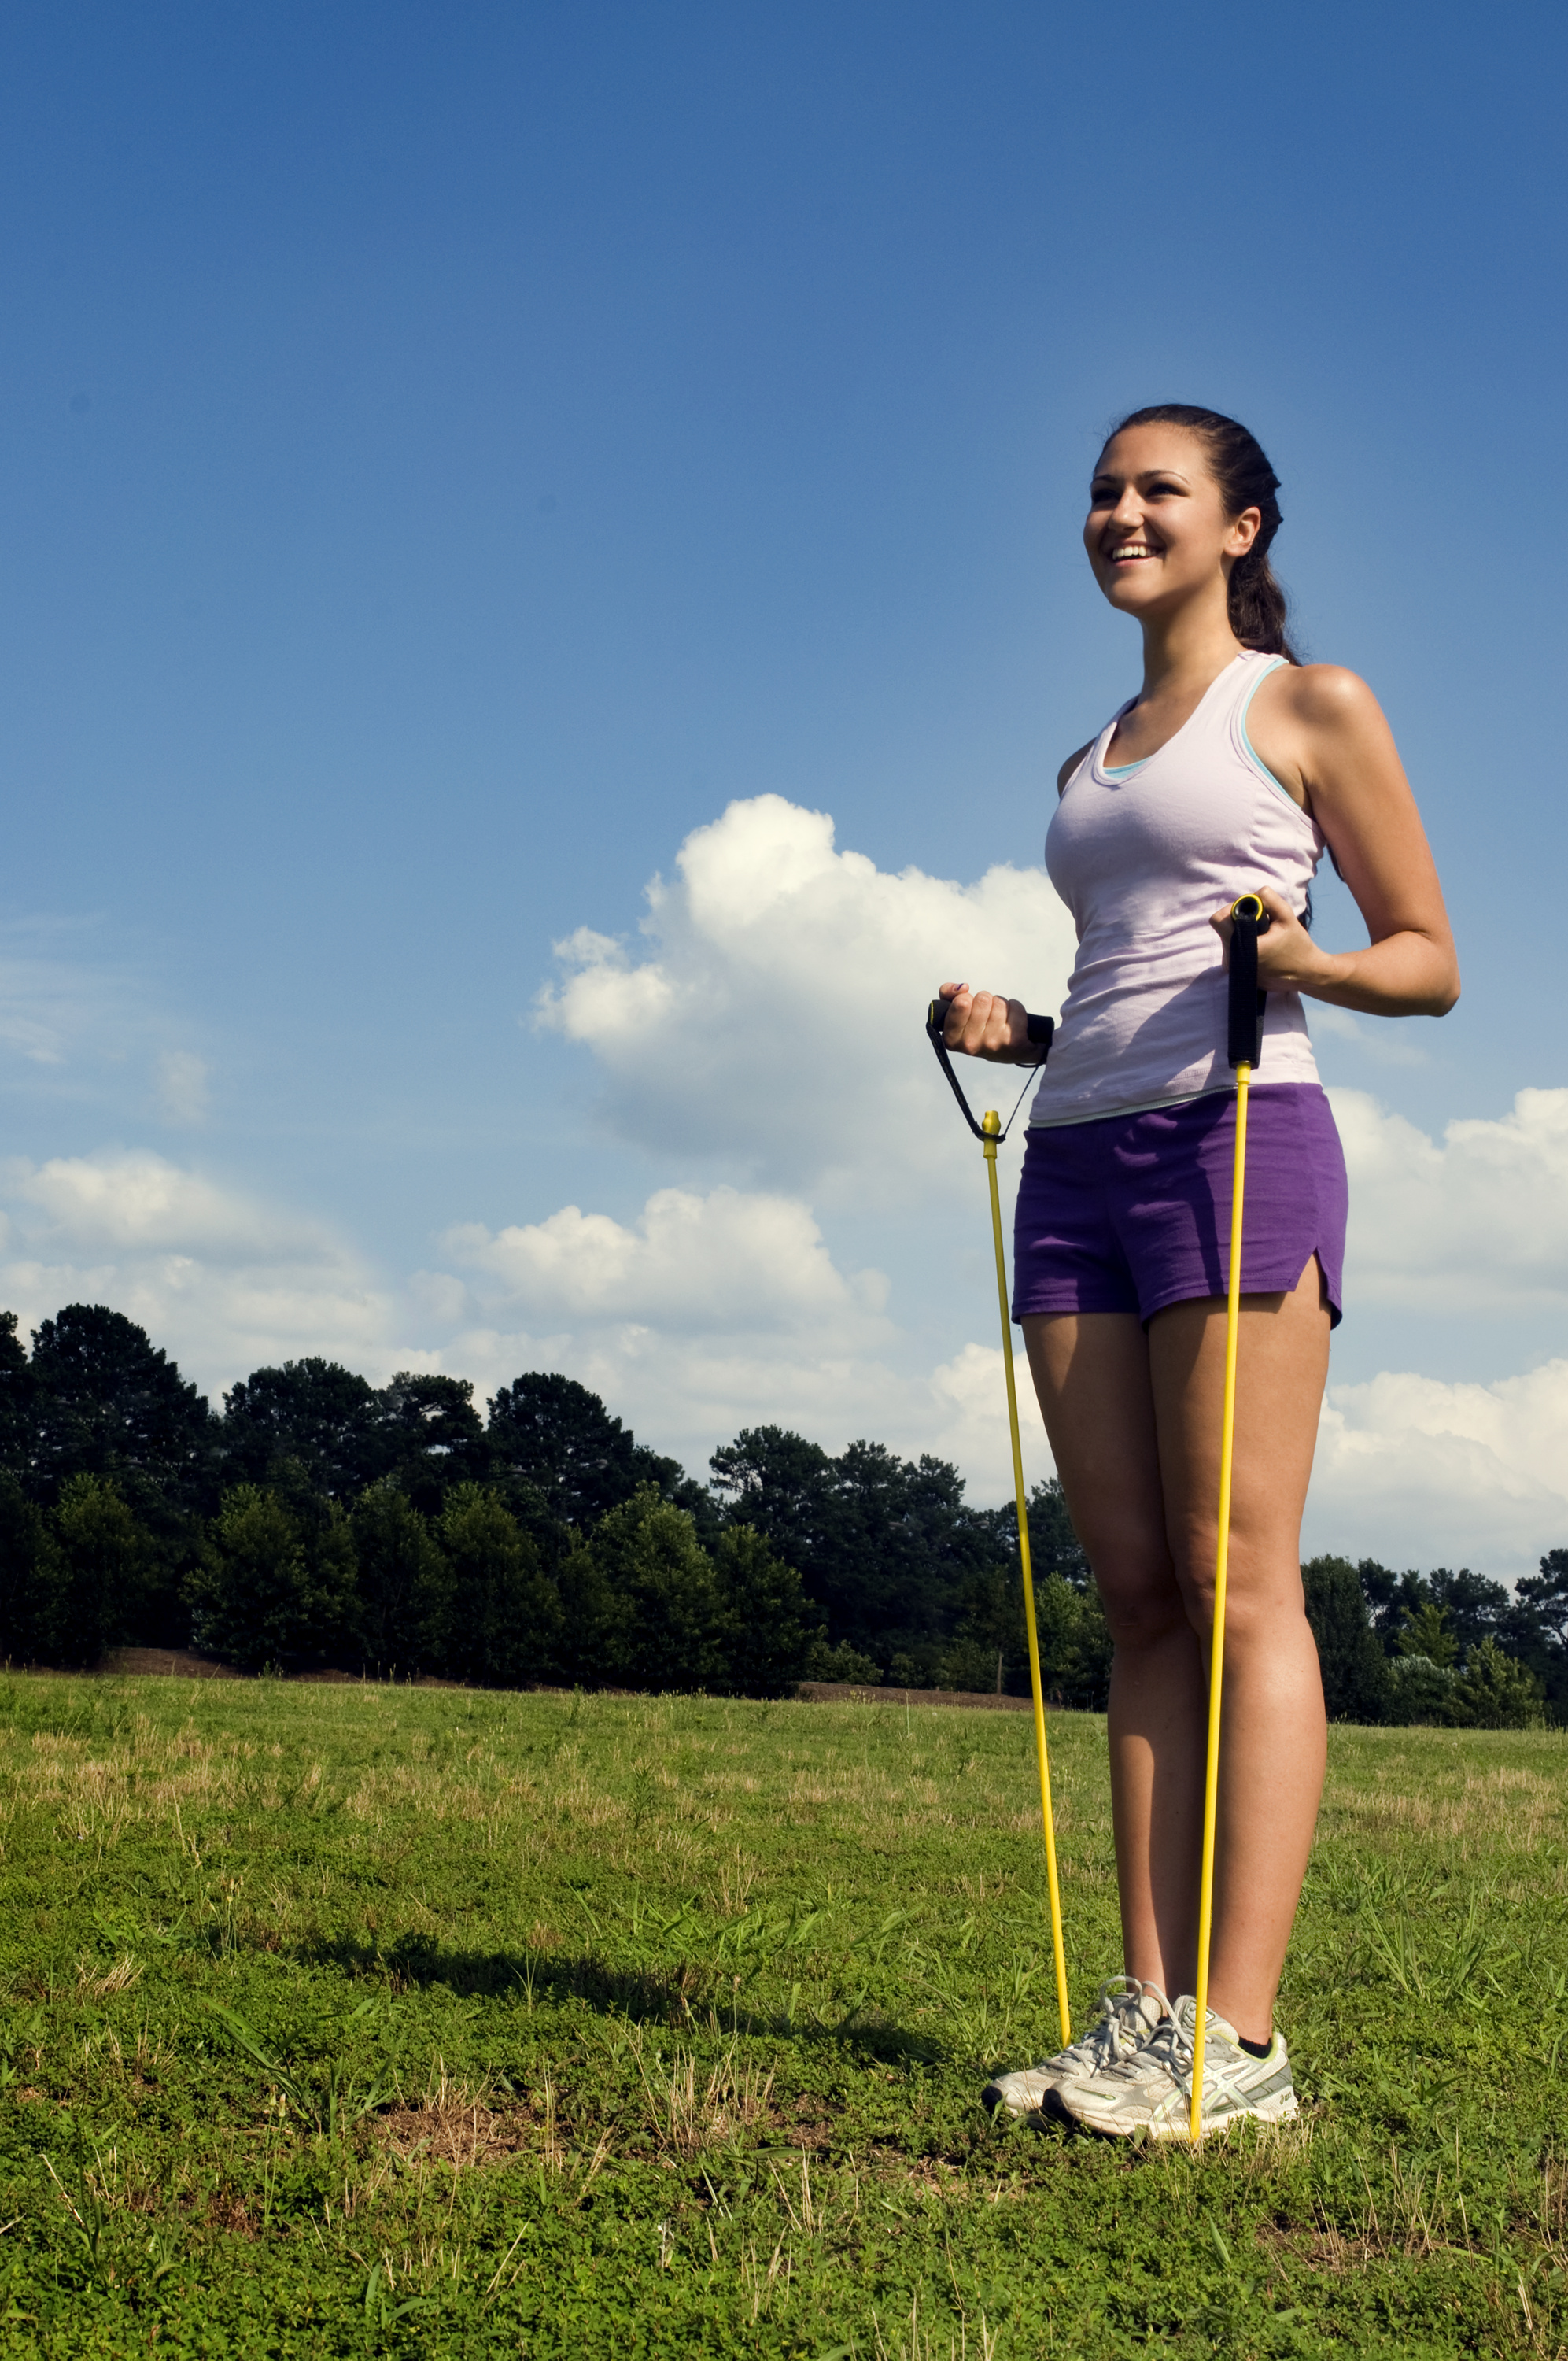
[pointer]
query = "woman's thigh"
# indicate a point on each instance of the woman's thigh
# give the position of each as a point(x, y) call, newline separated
point(1281, 1367)
point(1091, 1375)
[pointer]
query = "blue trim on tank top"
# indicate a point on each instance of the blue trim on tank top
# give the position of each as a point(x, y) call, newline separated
point(1123, 770)
point(1258, 765)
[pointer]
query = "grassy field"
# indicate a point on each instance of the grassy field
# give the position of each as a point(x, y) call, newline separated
point(343, 2020)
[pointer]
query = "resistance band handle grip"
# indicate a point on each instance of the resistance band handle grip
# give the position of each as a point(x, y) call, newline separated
point(1041, 1029)
point(1248, 920)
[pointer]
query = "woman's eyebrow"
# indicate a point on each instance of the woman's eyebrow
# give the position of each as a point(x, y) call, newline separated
point(1148, 476)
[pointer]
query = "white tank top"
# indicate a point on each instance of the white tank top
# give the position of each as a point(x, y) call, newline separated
point(1141, 856)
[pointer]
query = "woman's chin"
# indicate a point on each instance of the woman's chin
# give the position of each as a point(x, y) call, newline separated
point(1131, 596)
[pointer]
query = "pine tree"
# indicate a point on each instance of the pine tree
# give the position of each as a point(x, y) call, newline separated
point(276, 1587)
point(1353, 1667)
point(667, 1630)
point(505, 1624)
point(772, 1627)
point(404, 1583)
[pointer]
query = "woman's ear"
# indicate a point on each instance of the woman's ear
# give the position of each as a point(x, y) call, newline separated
point(1244, 531)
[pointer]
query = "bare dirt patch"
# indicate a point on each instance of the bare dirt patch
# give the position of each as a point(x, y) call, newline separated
point(457, 2132)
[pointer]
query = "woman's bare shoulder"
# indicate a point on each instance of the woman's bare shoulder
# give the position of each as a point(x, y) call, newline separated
point(1070, 765)
point(1319, 695)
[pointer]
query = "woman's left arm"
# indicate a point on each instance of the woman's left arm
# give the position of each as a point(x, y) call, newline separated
point(1322, 733)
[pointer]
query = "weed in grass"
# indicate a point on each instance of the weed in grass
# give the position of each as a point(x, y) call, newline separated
point(328, 2097)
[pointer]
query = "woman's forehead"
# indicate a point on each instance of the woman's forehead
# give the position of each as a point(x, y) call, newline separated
point(1144, 450)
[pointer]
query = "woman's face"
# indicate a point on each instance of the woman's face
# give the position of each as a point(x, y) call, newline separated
point(1156, 531)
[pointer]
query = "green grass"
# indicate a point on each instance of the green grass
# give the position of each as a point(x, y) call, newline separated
point(340, 2020)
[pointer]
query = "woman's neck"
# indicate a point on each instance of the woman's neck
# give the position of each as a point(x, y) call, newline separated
point(1184, 651)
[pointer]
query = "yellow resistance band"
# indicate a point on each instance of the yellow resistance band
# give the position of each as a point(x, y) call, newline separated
point(992, 1127)
point(1217, 1643)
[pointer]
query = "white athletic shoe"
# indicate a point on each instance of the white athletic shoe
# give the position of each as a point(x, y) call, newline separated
point(1129, 2012)
point(1151, 2091)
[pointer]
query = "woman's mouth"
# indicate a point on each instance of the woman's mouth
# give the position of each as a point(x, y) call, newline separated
point(1126, 553)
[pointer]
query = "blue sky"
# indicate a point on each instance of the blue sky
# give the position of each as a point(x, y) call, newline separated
point(450, 457)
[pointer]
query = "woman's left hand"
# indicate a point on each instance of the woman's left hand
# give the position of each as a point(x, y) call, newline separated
point(1288, 958)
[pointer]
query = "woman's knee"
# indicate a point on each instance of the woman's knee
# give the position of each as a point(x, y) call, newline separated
point(1262, 1591)
point(1143, 1606)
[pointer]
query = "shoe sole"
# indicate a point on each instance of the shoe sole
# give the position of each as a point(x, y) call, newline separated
point(1282, 2110)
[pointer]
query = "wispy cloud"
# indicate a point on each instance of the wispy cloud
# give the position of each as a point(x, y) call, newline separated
point(80, 1020)
point(1380, 1043)
point(225, 1281)
point(182, 1087)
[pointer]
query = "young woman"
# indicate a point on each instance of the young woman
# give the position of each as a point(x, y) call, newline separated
point(1229, 773)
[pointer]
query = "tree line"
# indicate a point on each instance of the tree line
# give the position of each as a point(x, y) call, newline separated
point(319, 1521)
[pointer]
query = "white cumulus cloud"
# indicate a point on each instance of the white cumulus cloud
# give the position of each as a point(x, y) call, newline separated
point(1415, 1471)
point(1477, 1224)
point(732, 1258)
point(131, 1198)
point(708, 1314)
point(764, 1026)
point(772, 1011)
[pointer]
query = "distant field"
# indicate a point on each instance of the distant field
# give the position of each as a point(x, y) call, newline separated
point(342, 2020)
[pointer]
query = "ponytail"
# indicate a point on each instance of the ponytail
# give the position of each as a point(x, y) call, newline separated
point(1240, 468)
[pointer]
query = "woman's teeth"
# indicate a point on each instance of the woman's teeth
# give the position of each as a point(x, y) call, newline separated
point(1131, 549)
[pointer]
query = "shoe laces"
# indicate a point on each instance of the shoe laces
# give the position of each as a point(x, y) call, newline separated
point(1167, 2050)
point(1115, 2031)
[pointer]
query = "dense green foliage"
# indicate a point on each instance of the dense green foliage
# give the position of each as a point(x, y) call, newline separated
point(1454, 1649)
point(321, 1520)
point(371, 2021)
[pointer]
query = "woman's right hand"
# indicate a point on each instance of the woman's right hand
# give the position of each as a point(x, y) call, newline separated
point(984, 1024)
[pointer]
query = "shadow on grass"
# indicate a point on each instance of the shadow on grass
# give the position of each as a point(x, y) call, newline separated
point(683, 1995)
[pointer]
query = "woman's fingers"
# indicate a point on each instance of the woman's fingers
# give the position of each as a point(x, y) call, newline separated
point(1287, 955)
point(984, 1023)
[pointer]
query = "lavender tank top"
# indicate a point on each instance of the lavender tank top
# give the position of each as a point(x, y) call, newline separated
point(1141, 856)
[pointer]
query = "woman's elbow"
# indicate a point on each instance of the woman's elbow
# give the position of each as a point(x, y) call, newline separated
point(1445, 991)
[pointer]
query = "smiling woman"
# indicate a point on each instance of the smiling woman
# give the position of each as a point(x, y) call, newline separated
point(1255, 603)
point(1230, 772)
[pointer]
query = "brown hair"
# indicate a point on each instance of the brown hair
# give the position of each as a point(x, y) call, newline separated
point(1240, 466)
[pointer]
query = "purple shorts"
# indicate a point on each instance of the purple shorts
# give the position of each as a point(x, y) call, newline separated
point(1132, 1213)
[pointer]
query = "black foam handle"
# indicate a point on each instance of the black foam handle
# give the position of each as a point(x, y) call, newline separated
point(1248, 920)
point(1041, 1029)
